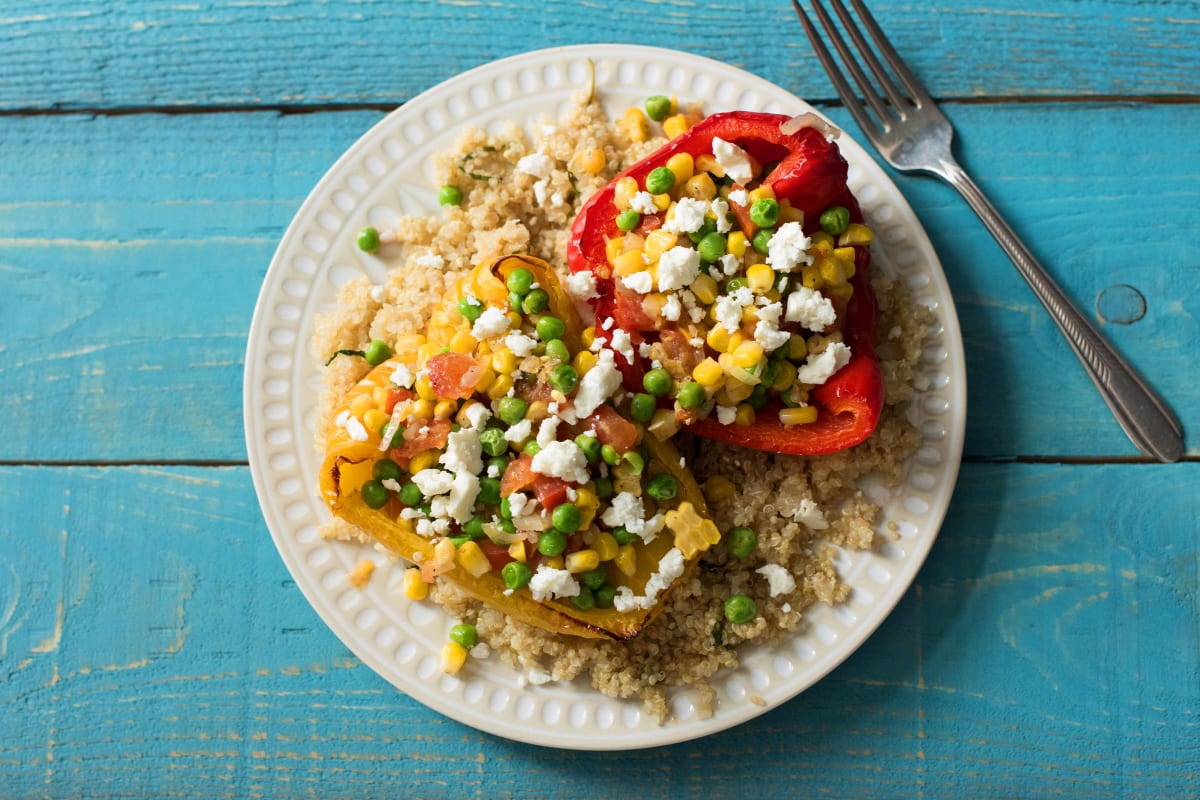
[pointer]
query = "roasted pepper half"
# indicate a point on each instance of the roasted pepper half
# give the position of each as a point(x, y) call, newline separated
point(734, 261)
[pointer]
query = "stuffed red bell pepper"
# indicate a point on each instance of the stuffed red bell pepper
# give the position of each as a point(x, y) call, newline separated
point(730, 272)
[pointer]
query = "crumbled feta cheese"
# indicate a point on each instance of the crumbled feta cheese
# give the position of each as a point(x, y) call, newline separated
point(520, 344)
point(670, 567)
point(671, 308)
point(779, 580)
point(476, 415)
point(820, 367)
point(352, 426)
point(391, 484)
point(728, 309)
point(677, 268)
point(626, 510)
point(622, 343)
point(463, 451)
point(733, 159)
point(538, 677)
point(640, 282)
point(562, 460)
point(433, 482)
point(643, 203)
point(766, 330)
point(739, 197)
point(644, 349)
point(788, 248)
point(809, 514)
point(688, 217)
point(424, 528)
point(492, 322)
point(811, 309)
point(548, 582)
point(403, 377)
point(597, 385)
point(582, 285)
point(430, 261)
point(726, 414)
point(539, 165)
point(516, 503)
point(461, 504)
point(720, 209)
point(547, 431)
point(730, 264)
point(519, 432)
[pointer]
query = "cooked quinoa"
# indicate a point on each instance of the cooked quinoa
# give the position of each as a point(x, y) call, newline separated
point(801, 508)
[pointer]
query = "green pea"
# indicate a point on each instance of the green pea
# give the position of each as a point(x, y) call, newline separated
point(765, 212)
point(499, 462)
point(410, 495)
point(609, 455)
point(531, 448)
point(758, 398)
point(556, 348)
point(594, 578)
point(397, 435)
point(662, 487)
point(551, 543)
point(634, 461)
point(657, 382)
point(740, 608)
point(658, 107)
point(515, 301)
point(628, 219)
point(470, 308)
point(835, 220)
point(489, 491)
point(566, 517)
point(691, 395)
point(590, 446)
point(449, 195)
point(550, 328)
point(368, 240)
point(741, 541)
point(493, 442)
point(733, 284)
point(466, 635)
point(386, 470)
point(697, 236)
point(564, 378)
point(511, 410)
point(604, 595)
point(762, 239)
point(642, 406)
point(459, 540)
point(505, 508)
point(711, 247)
point(507, 525)
point(604, 488)
point(515, 575)
point(660, 180)
point(622, 535)
point(585, 600)
point(377, 352)
point(535, 302)
point(473, 527)
point(520, 280)
point(374, 495)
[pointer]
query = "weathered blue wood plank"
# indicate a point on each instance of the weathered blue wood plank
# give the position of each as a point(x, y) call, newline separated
point(152, 645)
point(131, 250)
point(111, 54)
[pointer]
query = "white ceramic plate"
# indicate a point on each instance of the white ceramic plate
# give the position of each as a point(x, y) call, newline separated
point(387, 172)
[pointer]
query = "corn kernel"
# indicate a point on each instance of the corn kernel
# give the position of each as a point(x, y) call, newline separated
point(831, 271)
point(629, 263)
point(842, 292)
point(588, 505)
point(374, 419)
point(789, 213)
point(718, 488)
point(763, 192)
point(361, 404)
point(422, 409)
point(635, 125)
point(798, 416)
point(454, 655)
point(760, 278)
point(381, 396)
point(658, 242)
point(786, 376)
point(588, 336)
point(624, 191)
point(593, 161)
point(425, 388)
point(663, 424)
point(662, 201)
point(504, 361)
point(856, 233)
point(699, 187)
point(708, 373)
point(583, 362)
point(626, 559)
point(810, 277)
point(422, 461)
point(500, 387)
point(605, 546)
point(485, 378)
point(720, 339)
point(415, 588)
point(734, 392)
point(705, 289)
point(471, 558)
point(682, 165)
point(736, 244)
point(517, 550)
point(675, 125)
point(614, 247)
point(406, 346)
point(749, 317)
point(708, 163)
point(748, 355)
point(582, 561)
point(554, 563)
point(463, 342)
point(445, 409)
point(821, 240)
point(426, 352)
point(745, 415)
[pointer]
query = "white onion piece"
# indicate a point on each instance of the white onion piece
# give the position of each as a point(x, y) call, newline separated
point(809, 120)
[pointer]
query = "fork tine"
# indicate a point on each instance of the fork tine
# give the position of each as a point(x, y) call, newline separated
point(866, 88)
point(915, 90)
point(900, 104)
point(848, 95)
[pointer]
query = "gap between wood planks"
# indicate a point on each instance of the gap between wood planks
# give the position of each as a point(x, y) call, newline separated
point(321, 108)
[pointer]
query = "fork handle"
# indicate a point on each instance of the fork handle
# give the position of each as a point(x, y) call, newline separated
point(1144, 416)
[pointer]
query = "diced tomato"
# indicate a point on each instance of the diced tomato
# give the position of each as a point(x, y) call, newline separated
point(611, 428)
point(551, 492)
point(681, 355)
point(517, 475)
point(533, 390)
point(628, 312)
point(746, 224)
point(396, 395)
point(497, 554)
point(453, 375)
point(417, 439)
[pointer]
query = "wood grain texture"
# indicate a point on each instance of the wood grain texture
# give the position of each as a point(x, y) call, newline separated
point(132, 248)
point(111, 54)
point(156, 647)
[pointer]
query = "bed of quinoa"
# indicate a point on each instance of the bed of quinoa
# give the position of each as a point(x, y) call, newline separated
point(506, 211)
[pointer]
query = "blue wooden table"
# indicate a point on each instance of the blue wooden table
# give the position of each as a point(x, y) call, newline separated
point(152, 643)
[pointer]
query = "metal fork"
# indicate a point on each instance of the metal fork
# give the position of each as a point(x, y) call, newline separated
point(910, 131)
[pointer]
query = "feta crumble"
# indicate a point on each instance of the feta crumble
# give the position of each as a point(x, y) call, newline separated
point(539, 165)
point(492, 322)
point(821, 367)
point(788, 248)
point(463, 451)
point(733, 159)
point(779, 580)
point(677, 268)
point(640, 282)
point(582, 285)
point(562, 460)
point(597, 385)
point(811, 309)
point(548, 582)
point(689, 216)
point(643, 203)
